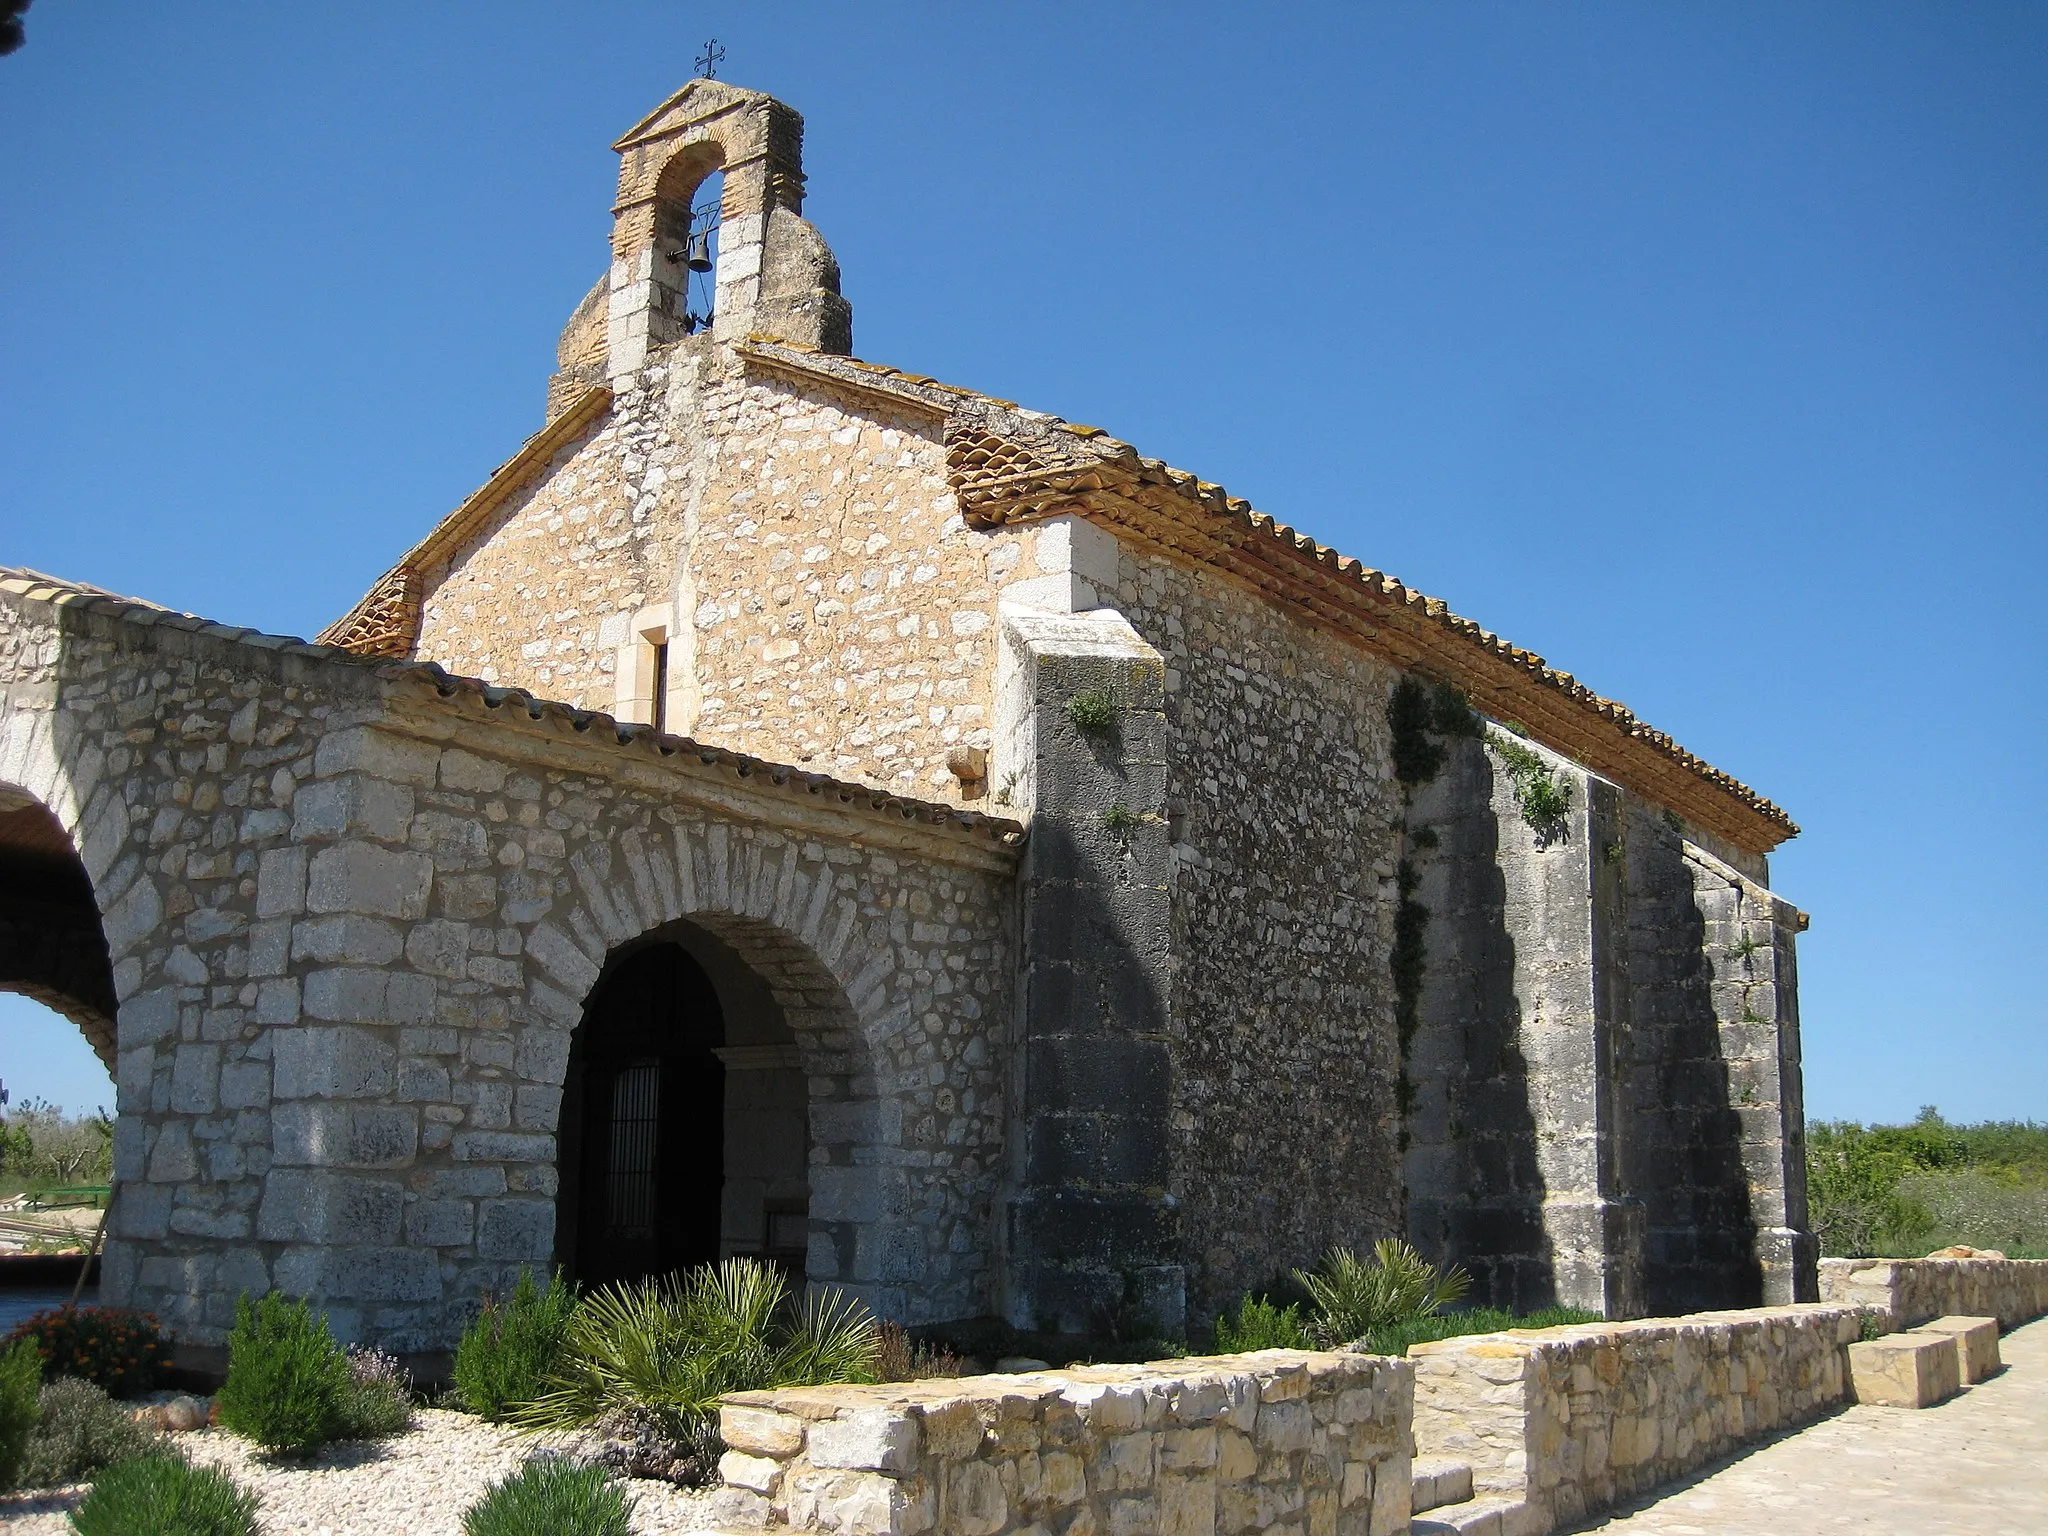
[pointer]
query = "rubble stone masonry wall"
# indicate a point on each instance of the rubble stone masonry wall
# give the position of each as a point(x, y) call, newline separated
point(1560, 1423)
point(351, 923)
point(1911, 1291)
point(1284, 1124)
point(1281, 1440)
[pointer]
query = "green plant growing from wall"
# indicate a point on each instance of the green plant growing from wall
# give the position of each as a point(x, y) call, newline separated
point(1543, 798)
point(1120, 821)
point(1093, 712)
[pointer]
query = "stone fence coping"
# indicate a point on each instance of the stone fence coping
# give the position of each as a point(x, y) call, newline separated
point(1218, 1444)
point(1913, 1291)
point(1563, 1422)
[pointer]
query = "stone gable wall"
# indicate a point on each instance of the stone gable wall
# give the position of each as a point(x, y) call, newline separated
point(351, 924)
point(831, 607)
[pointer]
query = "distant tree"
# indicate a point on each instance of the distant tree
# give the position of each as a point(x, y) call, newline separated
point(39, 1143)
point(11, 34)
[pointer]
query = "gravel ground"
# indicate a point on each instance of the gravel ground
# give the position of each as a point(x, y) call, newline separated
point(418, 1484)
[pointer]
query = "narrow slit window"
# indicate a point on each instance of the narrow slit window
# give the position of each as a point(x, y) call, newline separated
point(658, 716)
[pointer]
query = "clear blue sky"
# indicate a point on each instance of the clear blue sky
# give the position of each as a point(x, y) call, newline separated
point(1701, 347)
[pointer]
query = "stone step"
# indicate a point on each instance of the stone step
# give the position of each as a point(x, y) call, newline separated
point(1482, 1517)
point(1906, 1370)
point(1438, 1480)
point(1976, 1344)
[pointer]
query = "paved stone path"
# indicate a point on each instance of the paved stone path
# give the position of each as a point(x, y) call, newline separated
point(1977, 1463)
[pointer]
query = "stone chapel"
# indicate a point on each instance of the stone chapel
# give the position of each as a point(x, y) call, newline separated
point(795, 807)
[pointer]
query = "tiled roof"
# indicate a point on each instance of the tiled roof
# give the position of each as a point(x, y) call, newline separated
point(1011, 465)
point(594, 725)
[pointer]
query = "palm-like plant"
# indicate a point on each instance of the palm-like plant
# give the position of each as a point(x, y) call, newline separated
point(1353, 1297)
point(669, 1349)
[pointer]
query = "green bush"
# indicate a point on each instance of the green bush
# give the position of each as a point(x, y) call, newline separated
point(378, 1399)
point(667, 1350)
point(1351, 1297)
point(1259, 1324)
point(110, 1347)
point(81, 1430)
point(551, 1497)
point(21, 1380)
point(288, 1382)
point(509, 1350)
point(163, 1494)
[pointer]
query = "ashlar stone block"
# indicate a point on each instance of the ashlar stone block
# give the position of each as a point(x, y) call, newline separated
point(1905, 1370)
point(1976, 1344)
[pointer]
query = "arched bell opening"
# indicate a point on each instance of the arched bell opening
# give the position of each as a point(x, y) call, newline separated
point(688, 213)
point(52, 947)
point(684, 1133)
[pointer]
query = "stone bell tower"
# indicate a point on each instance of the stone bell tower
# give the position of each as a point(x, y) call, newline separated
point(775, 274)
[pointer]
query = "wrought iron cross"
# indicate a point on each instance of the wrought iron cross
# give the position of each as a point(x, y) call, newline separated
point(709, 60)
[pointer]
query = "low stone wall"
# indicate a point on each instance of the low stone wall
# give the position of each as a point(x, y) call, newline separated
point(1285, 1440)
point(1561, 1422)
point(1910, 1291)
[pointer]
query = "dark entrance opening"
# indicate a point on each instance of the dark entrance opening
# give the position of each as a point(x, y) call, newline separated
point(643, 1122)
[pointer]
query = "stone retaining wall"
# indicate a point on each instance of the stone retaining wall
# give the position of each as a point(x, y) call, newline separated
point(1565, 1421)
point(1910, 1291)
point(1281, 1440)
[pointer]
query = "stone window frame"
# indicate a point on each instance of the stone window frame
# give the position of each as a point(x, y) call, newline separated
point(645, 655)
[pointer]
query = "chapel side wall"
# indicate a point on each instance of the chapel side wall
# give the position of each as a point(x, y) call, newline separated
point(1284, 1121)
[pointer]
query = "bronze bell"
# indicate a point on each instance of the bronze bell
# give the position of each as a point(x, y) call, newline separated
point(699, 258)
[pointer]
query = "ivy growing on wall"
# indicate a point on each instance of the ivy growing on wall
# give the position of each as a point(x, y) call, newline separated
point(1417, 716)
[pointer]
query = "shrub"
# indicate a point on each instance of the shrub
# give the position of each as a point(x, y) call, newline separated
point(1351, 1297)
point(378, 1399)
point(899, 1357)
point(1260, 1324)
point(669, 1349)
point(163, 1494)
point(551, 1497)
point(21, 1379)
point(509, 1350)
point(111, 1347)
point(81, 1430)
point(288, 1381)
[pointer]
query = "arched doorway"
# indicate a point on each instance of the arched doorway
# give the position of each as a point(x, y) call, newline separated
point(684, 1135)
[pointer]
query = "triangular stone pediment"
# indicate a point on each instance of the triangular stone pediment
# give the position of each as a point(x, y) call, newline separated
point(695, 102)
